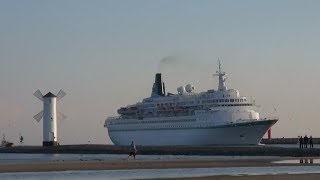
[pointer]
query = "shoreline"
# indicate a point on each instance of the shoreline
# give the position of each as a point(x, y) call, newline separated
point(272, 154)
point(258, 150)
point(140, 164)
point(308, 176)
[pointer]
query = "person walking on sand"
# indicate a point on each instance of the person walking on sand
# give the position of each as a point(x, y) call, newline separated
point(310, 142)
point(133, 150)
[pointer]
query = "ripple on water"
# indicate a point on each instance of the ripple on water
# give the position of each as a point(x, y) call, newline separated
point(161, 173)
point(299, 161)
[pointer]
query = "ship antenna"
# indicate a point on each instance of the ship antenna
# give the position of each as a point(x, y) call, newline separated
point(222, 77)
point(219, 63)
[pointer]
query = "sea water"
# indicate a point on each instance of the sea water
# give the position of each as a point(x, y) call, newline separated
point(143, 173)
point(21, 157)
point(160, 173)
point(316, 146)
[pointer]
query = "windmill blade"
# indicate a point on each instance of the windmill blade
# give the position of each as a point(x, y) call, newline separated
point(61, 94)
point(61, 116)
point(38, 94)
point(38, 116)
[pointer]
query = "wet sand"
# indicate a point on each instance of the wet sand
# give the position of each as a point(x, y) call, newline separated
point(283, 153)
point(164, 164)
point(255, 177)
point(138, 164)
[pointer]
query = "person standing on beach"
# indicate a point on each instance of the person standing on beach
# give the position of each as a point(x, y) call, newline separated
point(311, 142)
point(305, 139)
point(133, 150)
point(300, 142)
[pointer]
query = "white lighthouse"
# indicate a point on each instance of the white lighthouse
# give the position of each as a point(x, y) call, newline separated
point(50, 116)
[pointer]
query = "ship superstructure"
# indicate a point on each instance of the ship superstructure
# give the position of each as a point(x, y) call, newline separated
point(213, 117)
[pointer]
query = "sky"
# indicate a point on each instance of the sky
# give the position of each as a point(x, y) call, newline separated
point(104, 55)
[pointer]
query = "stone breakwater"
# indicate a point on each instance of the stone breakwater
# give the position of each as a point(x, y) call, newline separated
point(167, 150)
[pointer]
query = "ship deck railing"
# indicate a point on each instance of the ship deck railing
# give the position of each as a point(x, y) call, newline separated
point(113, 118)
point(269, 117)
point(250, 120)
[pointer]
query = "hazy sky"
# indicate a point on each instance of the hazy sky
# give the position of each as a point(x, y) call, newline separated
point(104, 55)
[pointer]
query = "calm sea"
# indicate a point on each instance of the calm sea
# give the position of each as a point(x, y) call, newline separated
point(145, 173)
point(20, 157)
point(160, 173)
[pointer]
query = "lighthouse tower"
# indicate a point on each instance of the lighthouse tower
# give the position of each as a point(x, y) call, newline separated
point(50, 116)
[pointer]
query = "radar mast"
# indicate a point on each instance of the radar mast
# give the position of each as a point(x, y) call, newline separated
point(222, 77)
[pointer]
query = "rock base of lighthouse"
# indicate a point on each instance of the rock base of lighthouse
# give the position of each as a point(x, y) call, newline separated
point(49, 143)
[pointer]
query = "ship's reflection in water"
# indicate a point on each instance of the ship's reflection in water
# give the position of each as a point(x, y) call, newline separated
point(299, 161)
point(306, 161)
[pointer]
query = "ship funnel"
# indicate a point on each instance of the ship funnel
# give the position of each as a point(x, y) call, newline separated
point(158, 88)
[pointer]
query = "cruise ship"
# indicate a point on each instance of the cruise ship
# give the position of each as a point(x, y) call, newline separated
point(214, 117)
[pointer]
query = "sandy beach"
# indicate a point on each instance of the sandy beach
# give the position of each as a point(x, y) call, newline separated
point(255, 177)
point(164, 164)
point(138, 164)
point(256, 156)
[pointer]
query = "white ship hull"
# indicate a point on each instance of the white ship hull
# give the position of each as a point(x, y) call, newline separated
point(249, 133)
point(213, 117)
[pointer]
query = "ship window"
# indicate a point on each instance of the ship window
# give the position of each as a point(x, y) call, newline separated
point(227, 100)
point(241, 100)
point(231, 100)
point(245, 100)
point(220, 100)
point(237, 100)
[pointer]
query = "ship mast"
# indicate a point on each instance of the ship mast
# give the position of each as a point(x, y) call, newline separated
point(222, 77)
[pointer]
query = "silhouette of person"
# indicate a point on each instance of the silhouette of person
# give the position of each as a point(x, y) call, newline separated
point(133, 150)
point(310, 142)
point(305, 139)
point(301, 142)
point(21, 139)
